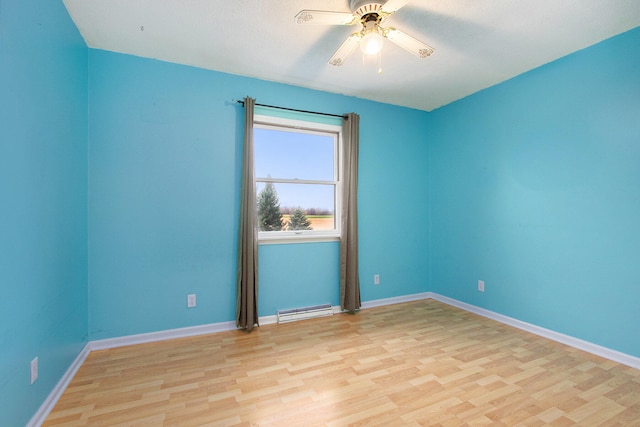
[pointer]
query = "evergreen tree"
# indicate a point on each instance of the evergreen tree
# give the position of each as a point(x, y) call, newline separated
point(269, 215)
point(299, 220)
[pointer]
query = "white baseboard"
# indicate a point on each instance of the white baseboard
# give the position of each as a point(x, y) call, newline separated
point(607, 353)
point(162, 335)
point(396, 300)
point(41, 414)
point(268, 320)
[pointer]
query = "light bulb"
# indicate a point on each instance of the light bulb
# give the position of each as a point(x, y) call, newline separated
point(371, 43)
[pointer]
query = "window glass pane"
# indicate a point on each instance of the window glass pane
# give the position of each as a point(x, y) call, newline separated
point(283, 207)
point(293, 155)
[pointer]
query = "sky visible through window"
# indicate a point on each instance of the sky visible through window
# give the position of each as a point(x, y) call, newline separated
point(282, 154)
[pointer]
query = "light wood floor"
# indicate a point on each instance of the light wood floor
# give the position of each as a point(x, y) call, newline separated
point(413, 364)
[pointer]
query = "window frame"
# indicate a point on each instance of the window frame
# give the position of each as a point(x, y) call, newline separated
point(311, 127)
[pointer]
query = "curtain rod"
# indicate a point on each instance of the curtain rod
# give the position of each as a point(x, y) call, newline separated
point(342, 116)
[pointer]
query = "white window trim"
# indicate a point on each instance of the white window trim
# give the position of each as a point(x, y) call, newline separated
point(306, 236)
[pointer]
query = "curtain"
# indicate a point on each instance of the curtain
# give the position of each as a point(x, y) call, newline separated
point(247, 277)
point(349, 279)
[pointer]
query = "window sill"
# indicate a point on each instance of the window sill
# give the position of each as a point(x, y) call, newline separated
point(287, 240)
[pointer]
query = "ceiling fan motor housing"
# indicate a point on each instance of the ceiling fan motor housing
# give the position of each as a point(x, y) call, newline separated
point(363, 8)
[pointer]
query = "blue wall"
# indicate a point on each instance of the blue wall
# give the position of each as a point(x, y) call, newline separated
point(536, 190)
point(43, 203)
point(109, 219)
point(164, 177)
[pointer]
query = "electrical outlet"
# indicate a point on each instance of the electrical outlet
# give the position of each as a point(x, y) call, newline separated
point(34, 370)
point(481, 285)
point(376, 279)
point(191, 300)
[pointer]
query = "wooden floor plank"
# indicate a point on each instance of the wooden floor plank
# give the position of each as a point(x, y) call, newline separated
point(421, 363)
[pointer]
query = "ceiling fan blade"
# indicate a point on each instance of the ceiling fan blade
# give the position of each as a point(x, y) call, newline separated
point(407, 42)
point(345, 50)
point(392, 5)
point(321, 17)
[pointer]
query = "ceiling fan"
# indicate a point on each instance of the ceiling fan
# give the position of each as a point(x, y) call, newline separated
point(370, 14)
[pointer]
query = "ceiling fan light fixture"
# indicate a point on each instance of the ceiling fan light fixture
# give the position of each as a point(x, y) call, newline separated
point(371, 14)
point(371, 42)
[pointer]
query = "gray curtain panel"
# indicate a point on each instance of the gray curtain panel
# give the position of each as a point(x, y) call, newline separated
point(247, 278)
point(349, 279)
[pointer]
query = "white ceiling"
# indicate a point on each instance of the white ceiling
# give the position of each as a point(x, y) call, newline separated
point(478, 42)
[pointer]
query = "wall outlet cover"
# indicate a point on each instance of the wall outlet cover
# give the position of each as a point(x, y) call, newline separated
point(191, 300)
point(34, 370)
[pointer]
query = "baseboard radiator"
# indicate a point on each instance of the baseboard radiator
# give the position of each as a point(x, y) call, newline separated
point(302, 313)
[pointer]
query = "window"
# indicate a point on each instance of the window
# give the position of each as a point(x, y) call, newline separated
point(297, 171)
